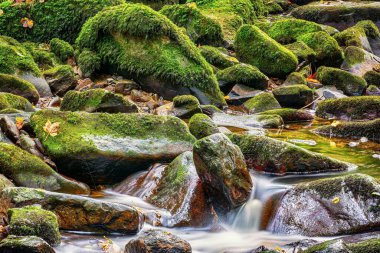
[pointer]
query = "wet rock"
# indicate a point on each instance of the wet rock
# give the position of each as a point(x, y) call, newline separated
point(210, 109)
point(200, 125)
point(262, 102)
point(25, 244)
point(125, 87)
point(294, 96)
point(97, 100)
point(34, 221)
point(358, 61)
point(330, 92)
point(28, 170)
point(159, 242)
point(352, 129)
point(295, 78)
point(351, 108)
point(28, 144)
point(302, 51)
point(39, 83)
point(186, 106)
point(77, 213)
point(10, 101)
point(373, 91)
point(9, 128)
point(241, 93)
point(5, 182)
point(61, 79)
point(289, 115)
point(343, 205)
point(247, 122)
point(18, 86)
point(276, 157)
point(218, 57)
point(223, 172)
point(110, 147)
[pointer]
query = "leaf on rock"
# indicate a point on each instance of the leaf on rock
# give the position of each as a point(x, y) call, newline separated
point(335, 200)
point(51, 129)
point(20, 122)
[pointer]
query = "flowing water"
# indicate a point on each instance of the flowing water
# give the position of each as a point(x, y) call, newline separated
point(244, 229)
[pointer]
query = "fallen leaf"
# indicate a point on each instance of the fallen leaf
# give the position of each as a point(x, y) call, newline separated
point(105, 244)
point(20, 122)
point(27, 23)
point(335, 123)
point(335, 200)
point(51, 129)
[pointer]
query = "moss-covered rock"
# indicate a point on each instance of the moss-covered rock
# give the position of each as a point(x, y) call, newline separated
point(276, 157)
point(294, 96)
point(262, 102)
point(115, 145)
point(53, 19)
point(253, 46)
point(289, 115)
point(28, 170)
point(354, 108)
point(344, 205)
point(61, 79)
point(41, 54)
point(359, 61)
point(89, 62)
point(97, 100)
point(200, 28)
point(186, 106)
point(34, 221)
point(217, 58)
point(295, 78)
point(30, 244)
point(302, 51)
point(18, 86)
point(273, 7)
point(77, 213)
point(201, 126)
point(372, 78)
point(135, 41)
point(350, 84)
point(327, 49)
point(62, 49)
point(10, 101)
point(245, 74)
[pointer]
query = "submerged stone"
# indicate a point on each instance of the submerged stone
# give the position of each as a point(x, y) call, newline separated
point(248, 122)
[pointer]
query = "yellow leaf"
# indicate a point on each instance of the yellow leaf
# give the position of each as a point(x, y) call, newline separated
point(192, 5)
point(105, 244)
point(51, 129)
point(1, 12)
point(227, 97)
point(335, 123)
point(19, 122)
point(335, 200)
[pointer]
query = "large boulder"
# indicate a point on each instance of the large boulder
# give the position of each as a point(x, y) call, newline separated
point(29, 170)
point(106, 148)
point(255, 47)
point(333, 206)
point(18, 86)
point(76, 213)
point(262, 102)
point(10, 101)
point(23, 244)
point(176, 188)
point(276, 157)
point(223, 172)
point(358, 61)
point(201, 125)
point(295, 96)
point(135, 41)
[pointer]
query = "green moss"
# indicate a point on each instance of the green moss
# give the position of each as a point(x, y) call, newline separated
point(274, 8)
point(18, 86)
point(52, 19)
point(253, 46)
point(350, 84)
point(201, 126)
point(295, 78)
point(290, 115)
point(185, 101)
point(62, 49)
point(353, 55)
point(217, 58)
point(157, 4)
point(14, 58)
point(368, 246)
point(352, 107)
point(32, 220)
point(8, 100)
point(295, 96)
point(14, 243)
point(89, 62)
point(327, 49)
point(60, 71)
point(41, 55)
point(372, 78)
point(200, 28)
point(302, 51)
point(262, 102)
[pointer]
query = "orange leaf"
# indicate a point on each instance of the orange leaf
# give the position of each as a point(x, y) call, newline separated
point(19, 123)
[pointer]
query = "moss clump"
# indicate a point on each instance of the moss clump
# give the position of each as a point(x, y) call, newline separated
point(372, 78)
point(41, 55)
point(185, 101)
point(274, 8)
point(96, 100)
point(294, 96)
point(302, 51)
point(89, 62)
point(18, 86)
point(31, 244)
point(243, 74)
point(201, 126)
point(295, 78)
point(200, 28)
point(135, 41)
point(15, 59)
point(368, 246)
point(290, 115)
point(62, 49)
point(353, 55)
point(60, 71)
point(217, 58)
point(61, 19)
point(253, 46)
point(157, 4)
point(286, 31)
point(327, 49)
point(262, 102)
point(32, 220)
point(355, 108)
point(8, 101)
point(350, 84)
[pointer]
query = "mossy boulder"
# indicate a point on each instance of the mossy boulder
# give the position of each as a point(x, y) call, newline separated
point(10, 101)
point(18, 86)
point(116, 145)
point(62, 49)
point(51, 18)
point(352, 129)
point(135, 41)
point(302, 51)
point(350, 84)
point(344, 205)
point(201, 126)
point(262, 102)
point(186, 106)
point(21, 244)
point(89, 62)
point(34, 221)
point(176, 188)
point(200, 28)
point(294, 96)
point(295, 78)
point(289, 115)
point(372, 78)
point(358, 61)
point(218, 57)
point(247, 122)
point(328, 52)
point(223, 172)
point(28, 170)
point(97, 100)
point(77, 213)
point(61, 79)
point(245, 74)
point(255, 47)
point(351, 108)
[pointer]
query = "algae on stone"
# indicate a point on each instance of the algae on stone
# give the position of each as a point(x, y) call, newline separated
point(10, 101)
point(18, 86)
